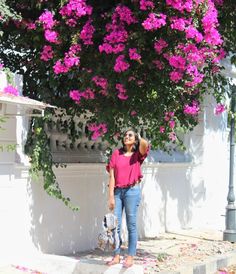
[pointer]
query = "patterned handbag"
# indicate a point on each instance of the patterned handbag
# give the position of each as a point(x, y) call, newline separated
point(108, 239)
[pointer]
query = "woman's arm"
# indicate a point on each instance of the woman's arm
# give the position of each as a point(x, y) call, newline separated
point(143, 146)
point(111, 199)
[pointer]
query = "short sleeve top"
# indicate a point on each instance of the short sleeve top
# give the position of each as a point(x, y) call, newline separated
point(127, 169)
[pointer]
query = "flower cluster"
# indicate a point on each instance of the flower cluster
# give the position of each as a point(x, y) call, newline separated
point(86, 34)
point(75, 9)
point(46, 18)
point(169, 126)
point(77, 95)
point(70, 60)
point(154, 22)
point(157, 55)
point(47, 53)
point(192, 109)
point(11, 90)
point(146, 4)
point(219, 109)
point(121, 92)
point(121, 64)
point(97, 130)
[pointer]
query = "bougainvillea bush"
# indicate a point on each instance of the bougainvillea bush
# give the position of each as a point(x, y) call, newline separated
point(138, 63)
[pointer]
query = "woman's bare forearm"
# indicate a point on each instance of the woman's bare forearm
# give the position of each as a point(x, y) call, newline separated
point(143, 146)
point(111, 187)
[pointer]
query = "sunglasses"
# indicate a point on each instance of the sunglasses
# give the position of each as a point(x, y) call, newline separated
point(129, 135)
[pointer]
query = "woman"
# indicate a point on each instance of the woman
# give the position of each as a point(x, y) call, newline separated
point(124, 188)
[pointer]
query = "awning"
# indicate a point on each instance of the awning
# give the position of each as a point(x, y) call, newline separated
point(26, 103)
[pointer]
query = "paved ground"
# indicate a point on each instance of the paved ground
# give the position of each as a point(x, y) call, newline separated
point(185, 252)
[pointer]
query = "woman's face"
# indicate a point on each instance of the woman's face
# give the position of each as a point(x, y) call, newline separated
point(129, 138)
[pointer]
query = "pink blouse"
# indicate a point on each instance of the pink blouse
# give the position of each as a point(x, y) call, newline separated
point(127, 169)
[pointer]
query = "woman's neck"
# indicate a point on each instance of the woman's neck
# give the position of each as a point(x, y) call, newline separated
point(129, 149)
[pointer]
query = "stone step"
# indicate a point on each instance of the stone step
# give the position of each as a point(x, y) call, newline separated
point(98, 267)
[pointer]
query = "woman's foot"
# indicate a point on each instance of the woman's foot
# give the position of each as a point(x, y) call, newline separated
point(115, 260)
point(129, 261)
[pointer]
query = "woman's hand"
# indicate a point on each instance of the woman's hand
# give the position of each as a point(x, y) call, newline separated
point(111, 203)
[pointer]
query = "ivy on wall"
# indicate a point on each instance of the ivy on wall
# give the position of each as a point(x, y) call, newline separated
point(38, 149)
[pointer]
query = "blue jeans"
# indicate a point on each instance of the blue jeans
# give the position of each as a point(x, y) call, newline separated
point(128, 199)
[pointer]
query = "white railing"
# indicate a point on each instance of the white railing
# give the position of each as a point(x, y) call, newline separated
point(82, 148)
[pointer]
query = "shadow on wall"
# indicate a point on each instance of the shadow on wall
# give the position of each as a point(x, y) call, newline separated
point(55, 229)
point(168, 198)
point(179, 196)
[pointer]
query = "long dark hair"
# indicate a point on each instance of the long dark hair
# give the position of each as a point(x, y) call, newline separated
point(136, 144)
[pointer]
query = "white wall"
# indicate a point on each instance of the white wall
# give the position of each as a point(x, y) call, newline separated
point(175, 195)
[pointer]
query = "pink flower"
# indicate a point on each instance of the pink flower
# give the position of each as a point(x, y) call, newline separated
point(172, 124)
point(181, 5)
point(100, 82)
point(210, 22)
point(88, 94)
point(215, 69)
point(105, 47)
point(219, 109)
point(125, 15)
point(121, 92)
point(172, 136)
point(75, 48)
point(131, 78)
point(140, 83)
point(213, 37)
point(178, 23)
point(86, 33)
point(121, 64)
point(11, 90)
point(159, 65)
point(118, 48)
point(146, 4)
point(71, 61)
point(169, 115)
point(60, 68)
point(75, 95)
point(133, 113)
point(176, 76)
point(47, 53)
point(71, 22)
point(116, 36)
point(160, 45)
point(122, 96)
point(108, 49)
point(51, 36)
point(31, 26)
point(133, 54)
point(220, 55)
point(47, 19)
point(162, 129)
point(76, 8)
point(193, 33)
point(97, 130)
point(192, 109)
point(197, 78)
point(154, 22)
point(177, 61)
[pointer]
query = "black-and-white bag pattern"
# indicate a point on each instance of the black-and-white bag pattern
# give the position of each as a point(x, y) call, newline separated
point(108, 239)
